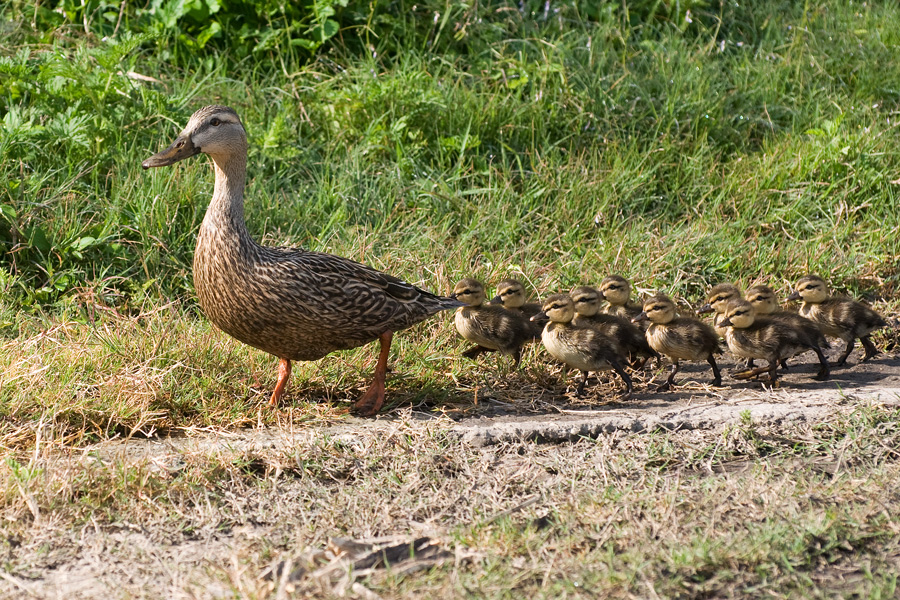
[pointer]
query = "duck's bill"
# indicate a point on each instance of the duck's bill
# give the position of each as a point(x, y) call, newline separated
point(539, 317)
point(793, 296)
point(641, 317)
point(706, 308)
point(180, 149)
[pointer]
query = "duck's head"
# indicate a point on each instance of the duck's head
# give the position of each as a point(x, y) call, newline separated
point(811, 288)
point(213, 130)
point(738, 314)
point(719, 297)
point(658, 309)
point(763, 298)
point(559, 308)
point(586, 300)
point(616, 290)
point(510, 293)
point(470, 291)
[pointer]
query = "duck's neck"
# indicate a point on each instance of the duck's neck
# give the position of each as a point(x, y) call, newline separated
point(225, 214)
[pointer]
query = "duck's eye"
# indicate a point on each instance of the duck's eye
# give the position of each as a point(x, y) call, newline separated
point(215, 122)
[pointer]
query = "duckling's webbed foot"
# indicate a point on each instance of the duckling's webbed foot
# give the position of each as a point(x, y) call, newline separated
point(670, 380)
point(284, 375)
point(476, 351)
point(372, 401)
point(871, 350)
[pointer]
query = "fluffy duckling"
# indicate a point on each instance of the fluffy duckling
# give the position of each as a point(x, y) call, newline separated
point(583, 348)
point(716, 301)
point(774, 340)
point(679, 338)
point(491, 327)
point(838, 317)
point(765, 304)
point(616, 290)
point(511, 294)
point(629, 337)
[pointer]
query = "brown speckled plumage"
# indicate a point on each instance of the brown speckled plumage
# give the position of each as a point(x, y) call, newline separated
point(295, 304)
point(838, 317)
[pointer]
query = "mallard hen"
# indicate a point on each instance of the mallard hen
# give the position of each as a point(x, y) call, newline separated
point(511, 294)
point(584, 348)
point(838, 317)
point(491, 327)
point(295, 304)
point(774, 340)
point(629, 337)
point(679, 338)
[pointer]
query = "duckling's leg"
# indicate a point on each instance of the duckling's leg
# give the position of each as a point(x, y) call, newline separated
point(618, 368)
point(717, 375)
point(580, 389)
point(372, 401)
point(843, 357)
point(824, 370)
point(871, 350)
point(284, 374)
point(670, 380)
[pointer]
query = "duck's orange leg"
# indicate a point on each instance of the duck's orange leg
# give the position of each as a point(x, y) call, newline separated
point(284, 374)
point(372, 401)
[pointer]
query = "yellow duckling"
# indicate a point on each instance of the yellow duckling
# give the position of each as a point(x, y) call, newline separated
point(582, 348)
point(716, 301)
point(838, 317)
point(511, 294)
point(491, 327)
point(629, 337)
point(679, 338)
point(616, 290)
point(774, 340)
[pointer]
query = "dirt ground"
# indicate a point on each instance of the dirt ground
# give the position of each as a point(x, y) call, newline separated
point(117, 557)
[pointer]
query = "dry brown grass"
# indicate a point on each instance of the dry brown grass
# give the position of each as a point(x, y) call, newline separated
point(796, 511)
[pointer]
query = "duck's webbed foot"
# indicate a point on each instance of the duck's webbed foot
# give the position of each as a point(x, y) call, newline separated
point(372, 401)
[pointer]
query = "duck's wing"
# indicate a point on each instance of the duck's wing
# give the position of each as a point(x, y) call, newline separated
point(339, 292)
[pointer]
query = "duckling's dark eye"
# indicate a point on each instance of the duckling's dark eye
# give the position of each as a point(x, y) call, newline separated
point(215, 122)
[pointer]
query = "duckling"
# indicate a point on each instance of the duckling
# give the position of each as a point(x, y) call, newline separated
point(289, 302)
point(582, 348)
point(679, 338)
point(838, 317)
point(765, 303)
point(629, 337)
point(616, 290)
point(774, 340)
point(491, 327)
point(511, 294)
point(716, 301)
